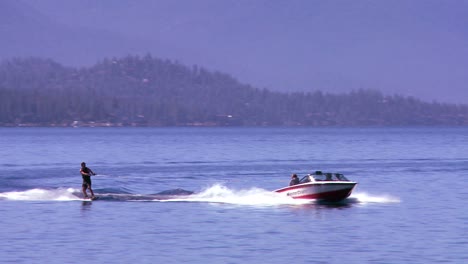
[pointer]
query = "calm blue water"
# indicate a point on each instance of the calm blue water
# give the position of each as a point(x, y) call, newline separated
point(409, 206)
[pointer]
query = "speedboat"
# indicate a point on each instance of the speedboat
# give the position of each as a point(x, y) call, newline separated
point(331, 187)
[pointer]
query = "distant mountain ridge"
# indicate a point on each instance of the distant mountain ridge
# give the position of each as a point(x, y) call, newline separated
point(281, 45)
point(147, 91)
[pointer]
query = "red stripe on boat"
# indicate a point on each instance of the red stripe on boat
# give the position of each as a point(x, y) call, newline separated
point(329, 196)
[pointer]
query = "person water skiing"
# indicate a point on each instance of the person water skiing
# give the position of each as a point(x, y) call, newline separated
point(86, 174)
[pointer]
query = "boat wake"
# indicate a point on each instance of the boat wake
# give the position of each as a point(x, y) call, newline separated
point(214, 194)
point(59, 194)
point(361, 197)
point(73, 194)
point(254, 196)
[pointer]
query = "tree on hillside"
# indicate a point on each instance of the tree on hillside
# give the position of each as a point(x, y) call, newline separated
point(147, 91)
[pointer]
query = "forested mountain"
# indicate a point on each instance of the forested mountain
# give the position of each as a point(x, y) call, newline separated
point(147, 91)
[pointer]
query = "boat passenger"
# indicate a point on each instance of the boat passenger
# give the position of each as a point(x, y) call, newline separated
point(294, 180)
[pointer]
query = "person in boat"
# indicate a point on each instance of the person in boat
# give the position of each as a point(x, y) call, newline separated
point(294, 180)
point(86, 175)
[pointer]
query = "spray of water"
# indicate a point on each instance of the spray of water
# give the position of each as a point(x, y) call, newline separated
point(363, 197)
point(254, 196)
point(59, 194)
point(215, 194)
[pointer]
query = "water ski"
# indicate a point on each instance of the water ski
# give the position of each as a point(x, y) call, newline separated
point(91, 198)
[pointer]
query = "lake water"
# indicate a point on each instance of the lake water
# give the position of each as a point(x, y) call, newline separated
point(409, 205)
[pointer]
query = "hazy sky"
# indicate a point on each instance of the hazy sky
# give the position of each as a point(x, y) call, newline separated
point(410, 47)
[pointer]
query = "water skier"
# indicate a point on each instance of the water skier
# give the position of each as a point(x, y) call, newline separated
point(86, 174)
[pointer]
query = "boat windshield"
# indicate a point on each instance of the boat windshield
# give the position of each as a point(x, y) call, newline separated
point(319, 176)
point(329, 177)
point(307, 178)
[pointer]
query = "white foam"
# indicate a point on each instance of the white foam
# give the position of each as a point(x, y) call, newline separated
point(59, 194)
point(215, 194)
point(370, 198)
point(254, 196)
